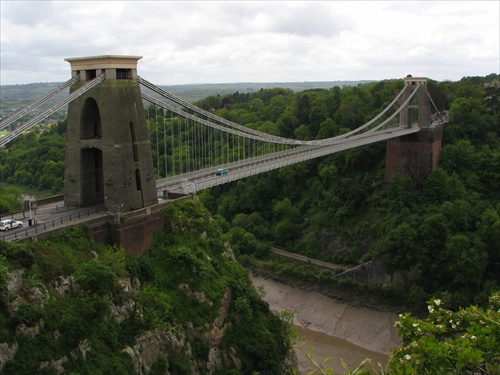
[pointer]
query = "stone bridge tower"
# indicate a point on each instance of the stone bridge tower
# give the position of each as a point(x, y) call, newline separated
point(108, 151)
point(415, 154)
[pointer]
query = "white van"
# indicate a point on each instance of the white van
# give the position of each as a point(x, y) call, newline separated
point(10, 224)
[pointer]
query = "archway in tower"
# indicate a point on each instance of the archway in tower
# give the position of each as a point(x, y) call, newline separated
point(92, 187)
point(90, 120)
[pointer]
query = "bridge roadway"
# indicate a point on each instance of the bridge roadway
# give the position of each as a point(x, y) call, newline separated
point(48, 217)
point(191, 182)
point(51, 216)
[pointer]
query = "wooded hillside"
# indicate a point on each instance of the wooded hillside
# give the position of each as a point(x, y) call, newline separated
point(441, 235)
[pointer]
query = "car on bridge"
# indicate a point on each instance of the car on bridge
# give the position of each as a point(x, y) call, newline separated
point(10, 224)
point(221, 172)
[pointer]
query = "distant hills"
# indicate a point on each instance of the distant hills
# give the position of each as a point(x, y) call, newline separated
point(196, 92)
point(15, 97)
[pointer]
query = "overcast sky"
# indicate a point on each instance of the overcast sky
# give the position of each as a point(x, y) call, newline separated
point(185, 42)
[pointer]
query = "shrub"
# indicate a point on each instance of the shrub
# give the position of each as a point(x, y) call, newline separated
point(450, 342)
point(96, 278)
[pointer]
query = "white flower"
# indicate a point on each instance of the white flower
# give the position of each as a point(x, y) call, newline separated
point(407, 357)
point(437, 302)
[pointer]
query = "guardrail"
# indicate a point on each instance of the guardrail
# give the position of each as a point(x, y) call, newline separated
point(24, 214)
point(37, 228)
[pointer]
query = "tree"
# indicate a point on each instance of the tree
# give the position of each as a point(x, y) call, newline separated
point(287, 227)
point(455, 189)
point(10, 200)
point(434, 188)
point(317, 116)
point(351, 112)
point(4, 272)
point(402, 192)
point(459, 215)
point(287, 123)
point(465, 113)
point(467, 262)
point(458, 156)
point(489, 231)
point(327, 129)
point(398, 251)
point(430, 258)
point(275, 108)
point(488, 170)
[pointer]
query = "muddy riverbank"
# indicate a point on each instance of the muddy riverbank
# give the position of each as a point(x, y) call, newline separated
point(333, 328)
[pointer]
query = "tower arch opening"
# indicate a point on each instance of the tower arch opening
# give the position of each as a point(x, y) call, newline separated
point(90, 120)
point(92, 190)
point(138, 184)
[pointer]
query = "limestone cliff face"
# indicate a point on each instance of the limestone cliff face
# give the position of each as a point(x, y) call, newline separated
point(149, 347)
point(154, 345)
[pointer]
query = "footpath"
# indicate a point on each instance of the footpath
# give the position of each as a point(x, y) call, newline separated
point(306, 259)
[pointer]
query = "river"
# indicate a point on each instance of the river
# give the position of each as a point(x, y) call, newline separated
point(331, 328)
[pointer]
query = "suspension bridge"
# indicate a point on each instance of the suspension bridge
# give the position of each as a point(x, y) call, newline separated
point(191, 143)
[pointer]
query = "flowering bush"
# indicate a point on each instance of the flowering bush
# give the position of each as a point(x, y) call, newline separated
point(447, 342)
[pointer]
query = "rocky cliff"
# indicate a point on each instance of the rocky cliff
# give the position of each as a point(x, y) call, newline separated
point(70, 305)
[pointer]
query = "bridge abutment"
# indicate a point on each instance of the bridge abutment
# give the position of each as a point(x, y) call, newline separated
point(108, 151)
point(415, 154)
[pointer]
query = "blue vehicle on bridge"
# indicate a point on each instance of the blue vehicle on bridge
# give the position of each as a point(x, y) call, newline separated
point(221, 171)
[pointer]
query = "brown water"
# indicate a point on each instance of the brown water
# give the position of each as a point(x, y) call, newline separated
point(323, 346)
point(333, 329)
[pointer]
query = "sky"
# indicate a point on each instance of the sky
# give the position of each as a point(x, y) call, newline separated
point(190, 42)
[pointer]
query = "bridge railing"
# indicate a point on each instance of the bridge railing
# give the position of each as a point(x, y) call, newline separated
point(44, 226)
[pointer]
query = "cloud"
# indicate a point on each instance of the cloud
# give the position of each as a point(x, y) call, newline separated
point(235, 41)
point(306, 20)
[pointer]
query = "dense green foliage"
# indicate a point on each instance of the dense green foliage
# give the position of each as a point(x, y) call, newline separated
point(10, 199)
point(439, 237)
point(36, 159)
point(70, 296)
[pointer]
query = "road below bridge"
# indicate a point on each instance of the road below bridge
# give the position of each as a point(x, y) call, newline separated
point(48, 217)
point(307, 259)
